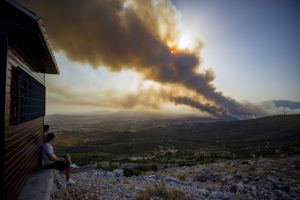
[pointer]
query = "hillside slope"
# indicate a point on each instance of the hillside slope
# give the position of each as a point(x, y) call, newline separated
point(263, 135)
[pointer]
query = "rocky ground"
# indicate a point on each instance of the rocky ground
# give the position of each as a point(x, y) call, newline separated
point(235, 179)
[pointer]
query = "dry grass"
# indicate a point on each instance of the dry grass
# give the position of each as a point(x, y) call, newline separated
point(163, 193)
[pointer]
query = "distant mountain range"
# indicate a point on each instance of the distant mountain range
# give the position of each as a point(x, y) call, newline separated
point(286, 104)
point(281, 107)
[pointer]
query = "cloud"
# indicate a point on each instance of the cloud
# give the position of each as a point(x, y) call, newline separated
point(136, 35)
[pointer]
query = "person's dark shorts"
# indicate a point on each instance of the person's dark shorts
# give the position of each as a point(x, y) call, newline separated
point(59, 165)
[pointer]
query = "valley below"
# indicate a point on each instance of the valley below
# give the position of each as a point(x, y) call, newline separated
point(126, 156)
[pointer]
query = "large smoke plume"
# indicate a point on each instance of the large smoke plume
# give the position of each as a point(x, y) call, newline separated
point(137, 35)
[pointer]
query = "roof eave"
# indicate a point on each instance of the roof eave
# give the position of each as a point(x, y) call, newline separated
point(53, 69)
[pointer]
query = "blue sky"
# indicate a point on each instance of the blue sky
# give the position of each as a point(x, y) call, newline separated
point(253, 46)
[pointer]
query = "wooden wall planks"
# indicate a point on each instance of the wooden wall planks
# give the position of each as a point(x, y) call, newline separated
point(22, 141)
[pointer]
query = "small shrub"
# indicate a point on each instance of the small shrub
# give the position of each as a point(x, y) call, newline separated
point(154, 168)
point(108, 166)
point(143, 167)
point(182, 177)
point(101, 166)
point(130, 172)
point(113, 166)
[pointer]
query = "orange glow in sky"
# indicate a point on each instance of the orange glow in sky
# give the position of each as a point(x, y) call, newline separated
point(173, 50)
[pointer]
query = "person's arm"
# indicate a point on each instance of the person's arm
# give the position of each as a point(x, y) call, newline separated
point(62, 157)
point(50, 153)
point(53, 157)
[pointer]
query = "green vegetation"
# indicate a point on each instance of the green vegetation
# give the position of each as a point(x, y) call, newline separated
point(143, 167)
point(86, 158)
point(109, 167)
point(131, 172)
point(154, 168)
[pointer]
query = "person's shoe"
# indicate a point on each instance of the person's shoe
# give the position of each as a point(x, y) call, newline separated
point(70, 182)
point(74, 165)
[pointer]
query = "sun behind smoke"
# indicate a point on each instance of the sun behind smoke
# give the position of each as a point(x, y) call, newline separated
point(136, 35)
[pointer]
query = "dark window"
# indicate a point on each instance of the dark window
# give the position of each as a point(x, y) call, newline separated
point(30, 97)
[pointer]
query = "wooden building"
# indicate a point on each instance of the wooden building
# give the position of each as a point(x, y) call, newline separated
point(25, 59)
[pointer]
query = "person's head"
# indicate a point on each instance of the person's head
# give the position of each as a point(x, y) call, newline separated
point(50, 137)
point(46, 128)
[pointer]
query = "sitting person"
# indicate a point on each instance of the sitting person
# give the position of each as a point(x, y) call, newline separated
point(52, 161)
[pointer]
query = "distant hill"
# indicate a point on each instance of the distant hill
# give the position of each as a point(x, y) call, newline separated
point(275, 107)
point(286, 104)
point(142, 135)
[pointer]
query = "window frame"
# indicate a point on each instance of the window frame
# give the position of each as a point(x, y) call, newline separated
point(30, 101)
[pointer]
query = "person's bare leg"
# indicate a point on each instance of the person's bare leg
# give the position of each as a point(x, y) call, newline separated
point(68, 158)
point(68, 173)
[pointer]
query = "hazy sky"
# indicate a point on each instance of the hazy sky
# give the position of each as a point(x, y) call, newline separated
point(251, 47)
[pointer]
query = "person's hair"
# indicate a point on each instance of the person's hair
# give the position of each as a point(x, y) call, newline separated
point(46, 127)
point(50, 137)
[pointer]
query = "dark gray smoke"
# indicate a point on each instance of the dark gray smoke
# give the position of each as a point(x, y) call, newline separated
point(131, 35)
